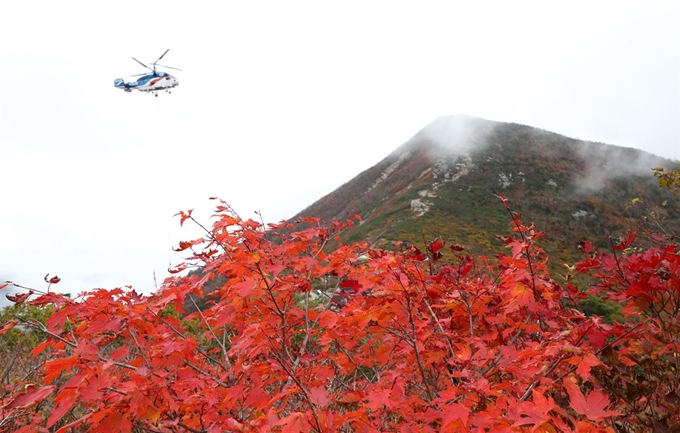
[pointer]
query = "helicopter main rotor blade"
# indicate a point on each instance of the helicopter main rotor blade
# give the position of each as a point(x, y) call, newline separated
point(169, 67)
point(146, 66)
point(166, 52)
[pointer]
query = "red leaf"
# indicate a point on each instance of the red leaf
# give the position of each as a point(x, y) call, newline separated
point(184, 216)
point(586, 247)
point(378, 398)
point(54, 367)
point(115, 421)
point(593, 406)
point(182, 246)
point(624, 243)
point(64, 401)
point(454, 412)
point(350, 284)
point(120, 352)
point(319, 396)
point(587, 264)
point(21, 298)
point(536, 412)
point(296, 423)
point(69, 427)
point(4, 329)
point(435, 246)
point(349, 397)
point(32, 396)
point(53, 280)
point(415, 254)
point(521, 294)
point(177, 269)
point(585, 365)
point(244, 288)
point(39, 348)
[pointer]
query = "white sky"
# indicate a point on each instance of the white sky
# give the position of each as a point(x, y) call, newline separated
point(279, 103)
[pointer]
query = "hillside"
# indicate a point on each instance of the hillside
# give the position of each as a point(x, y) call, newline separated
point(444, 181)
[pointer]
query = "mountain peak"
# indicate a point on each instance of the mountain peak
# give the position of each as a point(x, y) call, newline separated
point(454, 133)
point(444, 182)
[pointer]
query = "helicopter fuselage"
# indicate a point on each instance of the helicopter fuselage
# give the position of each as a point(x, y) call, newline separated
point(148, 83)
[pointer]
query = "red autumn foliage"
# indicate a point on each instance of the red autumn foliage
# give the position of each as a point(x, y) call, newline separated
point(420, 345)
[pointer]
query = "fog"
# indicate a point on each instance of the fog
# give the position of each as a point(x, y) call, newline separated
point(605, 163)
point(459, 134)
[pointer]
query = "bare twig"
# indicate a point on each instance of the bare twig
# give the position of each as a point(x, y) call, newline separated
point(221, 344)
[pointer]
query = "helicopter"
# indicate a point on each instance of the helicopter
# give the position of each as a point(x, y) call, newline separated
point(150, 82)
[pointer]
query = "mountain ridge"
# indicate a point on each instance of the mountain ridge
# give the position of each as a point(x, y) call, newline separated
point(443, 182)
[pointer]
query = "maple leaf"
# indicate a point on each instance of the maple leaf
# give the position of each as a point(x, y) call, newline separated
point(20, 298)
point(377, 399)
point(245, 288)
point(184, 216)
point(32, 396)
point(435, 246)
point(536, 412)
point(295, 423)
point(177, 269)
point(4, 329)
point(522, 294)
point(586, 247)
point(182, 246)
point(68, 428)
point(623, 243)
point(54, 367)
point(349, 397)
point(518, 247)
point(584, 364)
point(64, 401)
point(452, 413)
point(54, 280)
point(120, 352)
point(115, 421)
point(319, 396)
point(593, 406)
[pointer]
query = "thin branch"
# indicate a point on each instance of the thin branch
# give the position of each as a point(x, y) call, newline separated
point(511, 342)
point(205, 373)
point(141, 352)
point(222, 346)
point(415, 347)
point(184, 337)
point(303, 390)
point(349, 356)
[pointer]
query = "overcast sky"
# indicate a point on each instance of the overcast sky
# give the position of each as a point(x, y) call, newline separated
point(281, 102)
